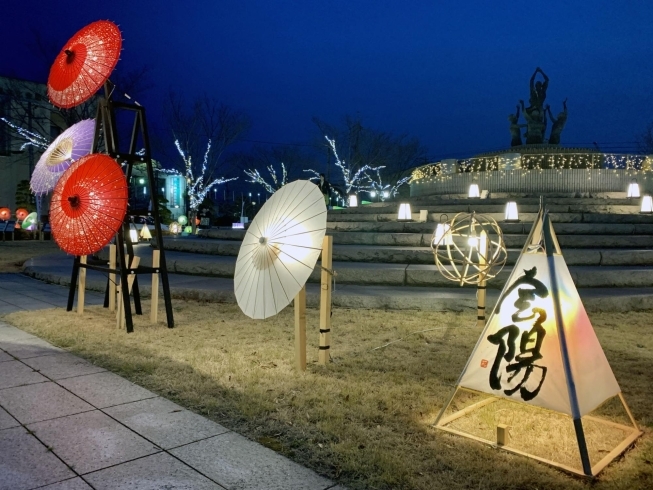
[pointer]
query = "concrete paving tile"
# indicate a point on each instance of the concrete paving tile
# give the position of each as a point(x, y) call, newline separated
point(5, 357)
point(236, 462)
point(91, 441)
point(105, 389)
point(6, 420)
point(26, 348)
point(6, 309)
point(42, 401)
point(72, 484)
point(26, 463)
point(154, 472)
point(164, 422)
point(63, 365)
point(8, 332)
point(15, 373)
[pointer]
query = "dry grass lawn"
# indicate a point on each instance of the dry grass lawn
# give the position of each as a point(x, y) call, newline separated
point(365, 419)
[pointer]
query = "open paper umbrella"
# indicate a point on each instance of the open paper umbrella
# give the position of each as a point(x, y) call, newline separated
point(21, 214)
point(5, 214)
point(84, 64)
point(88, 204)
point(71, 145)
point(280, 249)
point(29, 223)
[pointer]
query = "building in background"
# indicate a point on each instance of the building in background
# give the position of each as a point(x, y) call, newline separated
point(24, 104)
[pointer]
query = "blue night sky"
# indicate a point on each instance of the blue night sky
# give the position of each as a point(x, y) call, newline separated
point(447, 74)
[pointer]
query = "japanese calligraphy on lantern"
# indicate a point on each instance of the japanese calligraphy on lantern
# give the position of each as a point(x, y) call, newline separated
point(519, 353)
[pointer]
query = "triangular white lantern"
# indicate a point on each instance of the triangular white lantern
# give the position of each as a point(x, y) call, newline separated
point(539, 348)
point(474, 191)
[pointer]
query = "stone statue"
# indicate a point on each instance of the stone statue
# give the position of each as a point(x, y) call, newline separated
point(536, 116)
point(558, 124)
point(515, 128)
point(535, 125)
point(538, 91)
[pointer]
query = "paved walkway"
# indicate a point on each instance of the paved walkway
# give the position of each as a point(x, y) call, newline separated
point(66, 424)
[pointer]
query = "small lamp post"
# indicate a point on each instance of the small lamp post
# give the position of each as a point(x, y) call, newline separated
point(405, 213)
point(512, 214)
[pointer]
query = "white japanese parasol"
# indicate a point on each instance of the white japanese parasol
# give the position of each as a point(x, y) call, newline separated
point(280, 249)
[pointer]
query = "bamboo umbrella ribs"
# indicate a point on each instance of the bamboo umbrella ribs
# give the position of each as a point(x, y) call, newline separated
point(280, 249)
point(84, 64)
point(89, 204)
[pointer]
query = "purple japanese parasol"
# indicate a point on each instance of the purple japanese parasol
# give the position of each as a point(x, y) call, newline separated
point(71, 145)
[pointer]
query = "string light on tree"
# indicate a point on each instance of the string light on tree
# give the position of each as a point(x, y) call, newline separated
point(256, 178)
point(196, 188)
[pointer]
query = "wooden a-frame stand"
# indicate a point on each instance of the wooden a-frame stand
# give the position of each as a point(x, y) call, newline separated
point(106, 123)
point(325, 312)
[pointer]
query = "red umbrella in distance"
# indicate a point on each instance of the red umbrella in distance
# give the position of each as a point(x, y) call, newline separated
point(5, 214)
point(84, 64)
point(21, 214)
point(88, 204)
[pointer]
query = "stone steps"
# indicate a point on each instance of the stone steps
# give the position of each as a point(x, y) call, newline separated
point(515, 240)
point(400, 275)
point(499, 217)
point(416, 255)
point(523, 227)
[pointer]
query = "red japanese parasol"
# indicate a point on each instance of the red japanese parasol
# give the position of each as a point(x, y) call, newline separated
point(84, 64)
point(88, 204)
point(21, 214)
point(5, 214)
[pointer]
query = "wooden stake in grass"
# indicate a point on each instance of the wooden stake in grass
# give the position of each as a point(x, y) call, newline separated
point(300, 329)
point(325, 301)
point(81, 285)
point(156, 261)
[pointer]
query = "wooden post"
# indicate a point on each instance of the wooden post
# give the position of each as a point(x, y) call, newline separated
point(112, 278)
point(81, 285)
point(503, 436)
point(300, 329)
point(325, 301)
point(120, 316)
point(156, 261)
point(482, 252)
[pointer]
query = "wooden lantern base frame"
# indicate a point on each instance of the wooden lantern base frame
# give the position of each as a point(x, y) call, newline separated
point(115, 299)
point(325, 312)
point(632, 432)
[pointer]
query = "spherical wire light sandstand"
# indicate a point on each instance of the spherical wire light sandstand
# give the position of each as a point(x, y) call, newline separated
point(470, 250)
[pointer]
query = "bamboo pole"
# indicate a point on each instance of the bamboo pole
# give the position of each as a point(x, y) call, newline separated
point(112, 278)
point(81, 285)
point(482, 283)
point(156, 261)
point(300, 329)
point(325, 301)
